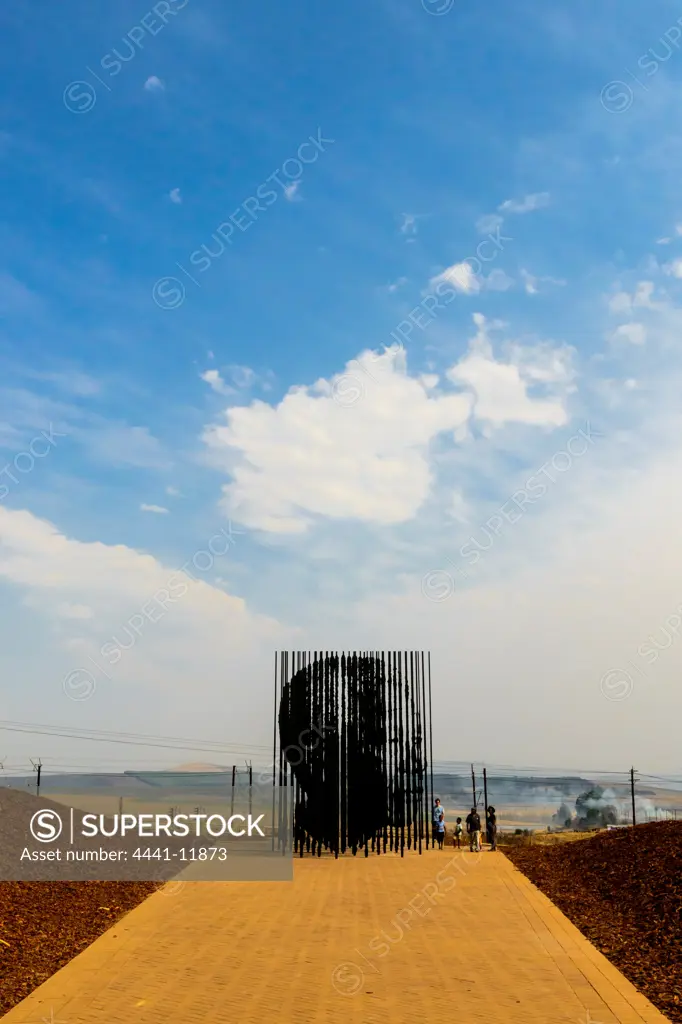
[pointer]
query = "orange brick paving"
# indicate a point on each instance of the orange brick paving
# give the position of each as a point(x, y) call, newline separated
point(377, 941)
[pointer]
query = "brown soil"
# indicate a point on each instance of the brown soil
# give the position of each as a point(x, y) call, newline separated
point(623, 890)
point(43, 925)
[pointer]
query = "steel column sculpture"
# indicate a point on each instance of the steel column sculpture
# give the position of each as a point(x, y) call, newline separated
point(355, 750)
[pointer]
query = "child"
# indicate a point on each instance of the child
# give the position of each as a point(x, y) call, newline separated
point(457, 837)
point(441, 831)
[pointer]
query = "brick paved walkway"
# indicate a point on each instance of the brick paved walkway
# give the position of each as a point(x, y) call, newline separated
point(377, 941)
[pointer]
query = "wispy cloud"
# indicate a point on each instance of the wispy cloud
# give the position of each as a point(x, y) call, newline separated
point(535, 201)
point(531, 282)
point(159, 509)
point(174, 196)
point(488, 223)
point(291, 192)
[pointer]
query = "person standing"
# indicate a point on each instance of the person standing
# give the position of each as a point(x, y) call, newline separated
point(473, 824)
point(457, 834)
point(441, 831)
point(491, 826)
point(436, 815)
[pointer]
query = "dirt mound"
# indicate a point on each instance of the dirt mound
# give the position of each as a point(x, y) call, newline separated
point(623, 890)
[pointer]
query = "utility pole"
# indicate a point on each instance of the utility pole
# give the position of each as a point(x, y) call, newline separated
point(250, 768)
point(632, 793)
point(473, 785)
point(36, 768)
point(234, 772)
point(485, 788)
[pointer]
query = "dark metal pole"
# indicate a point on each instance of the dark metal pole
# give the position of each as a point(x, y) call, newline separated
point(485, 798)
point(473, 784)
point(428, 798)
point(632, 793)
point(430, 737)
point(274, 754)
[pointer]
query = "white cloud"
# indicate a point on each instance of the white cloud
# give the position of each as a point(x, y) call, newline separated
point(409, 224)
point(535, 201)
point(291, 191)
point(461, 276)
point(174, 196)
point(623, 302)
point(489, 223)
point(397, 284)
point(459, 508)
point(173, 492)
point(70, 381)
point(531, 282)
point(498, 281)
point(74, 611)
point(501, 389)
point(673, 269)
point(663, 241)
point(353, 447)
point(633, 332)
point(154, 84)
point(178, 637)
point(216, 382)
point(120, 445)
point(243, 376)
point(357, 446)
point(154, 508)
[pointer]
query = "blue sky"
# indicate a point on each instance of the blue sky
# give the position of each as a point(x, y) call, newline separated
point(262, 393)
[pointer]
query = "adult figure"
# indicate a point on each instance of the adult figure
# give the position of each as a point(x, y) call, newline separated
point(436, 814)
point(491, 826)
point(473, 824)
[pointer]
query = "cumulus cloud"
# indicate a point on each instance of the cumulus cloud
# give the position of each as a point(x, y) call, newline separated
point(154, 84)
point(357, 446)
point(216, 382)
point(502, 388)
point(460, 276)
point(174, 196)
point(635, 333)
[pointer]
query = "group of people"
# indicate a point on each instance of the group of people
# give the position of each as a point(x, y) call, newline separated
point(472, 825)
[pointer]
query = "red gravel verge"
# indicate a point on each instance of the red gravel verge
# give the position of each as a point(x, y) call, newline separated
point(43, 925)
point(623, 890)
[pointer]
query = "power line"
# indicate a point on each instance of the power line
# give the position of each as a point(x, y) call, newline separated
point(128, 738)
